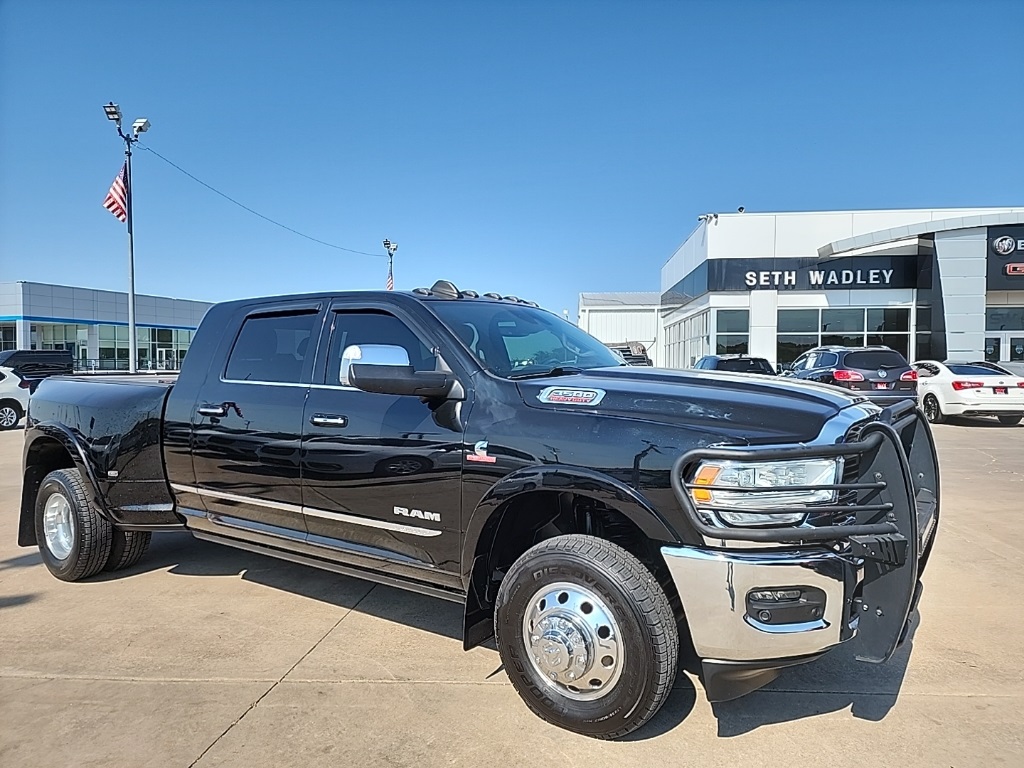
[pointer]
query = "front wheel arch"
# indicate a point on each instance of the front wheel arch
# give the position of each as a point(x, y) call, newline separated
point(536, 504)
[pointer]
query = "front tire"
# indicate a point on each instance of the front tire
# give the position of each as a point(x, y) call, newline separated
point(1009, 421)
point(586, 635)
point(74, 539)
point(932, 411)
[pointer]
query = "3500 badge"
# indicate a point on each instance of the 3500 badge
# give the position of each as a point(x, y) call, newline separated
point(568, 396)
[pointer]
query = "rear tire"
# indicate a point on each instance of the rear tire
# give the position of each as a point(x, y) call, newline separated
point(74, 539)
point(932, 411)
point(587, 636)
point(1009, 421)
point(10, 414)
point(127, 548)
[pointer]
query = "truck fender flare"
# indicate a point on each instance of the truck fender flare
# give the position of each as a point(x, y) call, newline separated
point(71, 444)
point(577, 480)
point(552, 477)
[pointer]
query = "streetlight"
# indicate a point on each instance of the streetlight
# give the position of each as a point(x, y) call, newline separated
point(390, 248)
point(140, 126)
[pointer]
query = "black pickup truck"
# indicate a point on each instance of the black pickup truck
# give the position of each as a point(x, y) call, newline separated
point(482, 450)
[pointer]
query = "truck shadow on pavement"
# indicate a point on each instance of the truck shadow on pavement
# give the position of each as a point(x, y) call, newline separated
point(833, 683)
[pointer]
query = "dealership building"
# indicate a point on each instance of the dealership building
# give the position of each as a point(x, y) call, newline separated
point(93, 324)
point(934, 283)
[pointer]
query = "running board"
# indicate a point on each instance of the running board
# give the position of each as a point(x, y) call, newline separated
point(344, 570)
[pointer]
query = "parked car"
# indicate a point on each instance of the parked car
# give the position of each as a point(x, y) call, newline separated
point(969, 389)
point(878, 373)
point(736, 364)
point(580, 510)
point(20, 371)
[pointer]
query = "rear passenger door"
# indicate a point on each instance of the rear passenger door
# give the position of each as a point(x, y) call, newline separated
point(247, 423)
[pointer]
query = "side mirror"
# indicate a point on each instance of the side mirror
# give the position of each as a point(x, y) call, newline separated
point(785, 368)
point(370, 354)
point(401, 380)
point(385, 369)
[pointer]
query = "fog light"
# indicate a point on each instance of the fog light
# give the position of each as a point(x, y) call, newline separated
point(785, 605)
point(774, 596)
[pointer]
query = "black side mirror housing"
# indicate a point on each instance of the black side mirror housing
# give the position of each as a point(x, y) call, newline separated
point(405, 380)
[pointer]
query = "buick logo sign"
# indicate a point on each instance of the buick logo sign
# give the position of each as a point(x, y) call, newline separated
point(1004, 245)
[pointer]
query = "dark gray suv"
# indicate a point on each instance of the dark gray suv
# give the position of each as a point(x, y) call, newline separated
point(879, 373)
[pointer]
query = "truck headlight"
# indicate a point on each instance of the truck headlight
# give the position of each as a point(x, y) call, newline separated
point(720, 475)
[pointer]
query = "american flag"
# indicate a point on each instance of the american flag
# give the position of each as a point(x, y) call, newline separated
point(116, 200)
point(391, 279)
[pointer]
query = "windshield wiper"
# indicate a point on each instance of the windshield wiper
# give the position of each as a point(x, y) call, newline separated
point(558, 370)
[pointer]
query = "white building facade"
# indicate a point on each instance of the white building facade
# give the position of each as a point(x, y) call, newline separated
point(935, 283)
point(93, 324)
point(619, 318)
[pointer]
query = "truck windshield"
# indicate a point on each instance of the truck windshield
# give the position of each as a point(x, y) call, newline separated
point(512, 340)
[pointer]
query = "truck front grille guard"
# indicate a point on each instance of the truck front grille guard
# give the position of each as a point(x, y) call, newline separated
point(880, 494)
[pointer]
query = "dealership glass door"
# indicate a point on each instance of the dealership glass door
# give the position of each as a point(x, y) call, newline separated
point(1005, 347)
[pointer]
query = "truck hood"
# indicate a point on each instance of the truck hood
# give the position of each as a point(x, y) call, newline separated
point(738, 407)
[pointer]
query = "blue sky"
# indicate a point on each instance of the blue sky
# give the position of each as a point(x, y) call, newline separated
point(534, 148)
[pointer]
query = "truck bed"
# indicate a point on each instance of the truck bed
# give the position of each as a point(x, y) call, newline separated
point(118, 421)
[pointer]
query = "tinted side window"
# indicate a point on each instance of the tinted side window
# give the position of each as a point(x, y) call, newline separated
point(374, 328)
point(272, 348)
point(827, 360)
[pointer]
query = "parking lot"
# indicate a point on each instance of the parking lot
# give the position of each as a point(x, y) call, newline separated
point(203, 655)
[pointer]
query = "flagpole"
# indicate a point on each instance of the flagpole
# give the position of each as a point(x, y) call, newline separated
point(141, 125)
point(133, 347)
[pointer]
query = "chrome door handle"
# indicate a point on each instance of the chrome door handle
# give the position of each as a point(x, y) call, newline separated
point(328, 420)
point(213, 410)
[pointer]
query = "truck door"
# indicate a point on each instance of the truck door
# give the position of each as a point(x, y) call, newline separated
point(381, 471)
point(247, 423)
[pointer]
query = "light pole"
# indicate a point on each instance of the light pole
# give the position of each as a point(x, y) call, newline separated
point(390, 248)
point(141, 125)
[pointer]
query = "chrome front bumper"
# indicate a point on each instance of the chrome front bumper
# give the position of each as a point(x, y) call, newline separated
point(713, 586)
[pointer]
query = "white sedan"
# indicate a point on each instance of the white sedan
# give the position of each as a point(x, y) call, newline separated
point(969, 389)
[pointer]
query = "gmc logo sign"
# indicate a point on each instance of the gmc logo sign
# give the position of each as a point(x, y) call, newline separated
point(1014, 270)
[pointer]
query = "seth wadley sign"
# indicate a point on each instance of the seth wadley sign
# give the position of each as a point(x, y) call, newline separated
point(819, 277)
point(812, 274)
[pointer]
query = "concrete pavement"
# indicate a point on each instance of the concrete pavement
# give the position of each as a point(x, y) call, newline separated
point(207, 656)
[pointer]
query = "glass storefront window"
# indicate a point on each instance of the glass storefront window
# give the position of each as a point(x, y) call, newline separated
point(798, 321)
point(8, 336)
point(733, 320)
point(898, 341)
point(732, 344)
point(842, 320)
point(1004, 319)
point(790, 346)
point(888, 320)
point(843, 340)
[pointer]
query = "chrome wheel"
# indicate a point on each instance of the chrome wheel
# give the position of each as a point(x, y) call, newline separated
point(8, 417)
point(573, 641)
point(58, 526)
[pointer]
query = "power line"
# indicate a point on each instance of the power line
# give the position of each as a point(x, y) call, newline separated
point(256, 213)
